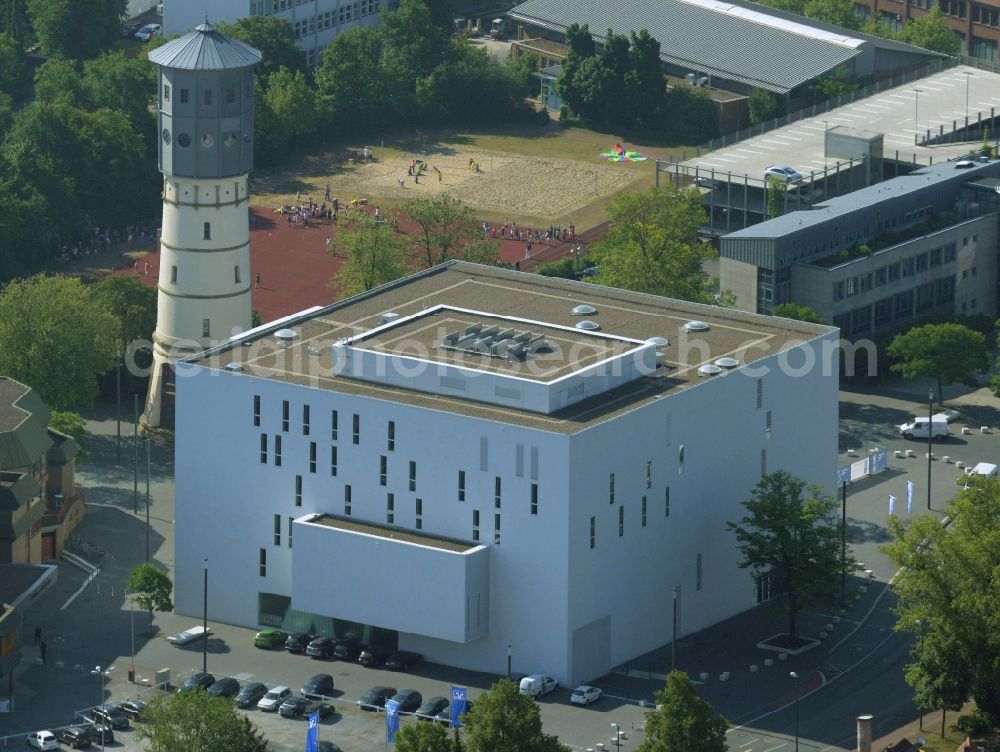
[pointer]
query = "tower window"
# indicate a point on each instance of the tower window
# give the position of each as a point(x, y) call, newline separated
point(312, 456)
point(207, 231)
point(333, 460)
point(475, 524)
point(390, 508)
point(391, 443)
point(184, 96)
point(534, 498)
point(206, 327)
point(256, 409)
point(382, 470)
point(461, 485)
point(277, 450)
point(298, 490)
point(166, 92)
point(173, 275)
point(206, 96)
point(262, 566)
point(347, 500)
point(230, 95)
point(236, 275)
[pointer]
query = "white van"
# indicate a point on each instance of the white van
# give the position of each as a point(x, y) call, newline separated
point(536, 685)
point(918, 428)
point(985, 469)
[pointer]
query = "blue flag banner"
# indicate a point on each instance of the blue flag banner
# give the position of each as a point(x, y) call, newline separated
point(892, 504)
point(843, 475)
point(459, 695)
point(312, 735)
point(909, 496)
point(879, 461)
point(391, 720)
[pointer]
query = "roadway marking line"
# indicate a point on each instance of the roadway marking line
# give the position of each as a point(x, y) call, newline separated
point(83, 587)
point(770, 749)
point(747, 744)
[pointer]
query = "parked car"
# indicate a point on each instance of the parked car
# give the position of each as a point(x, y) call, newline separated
point(293, 707)
point(431, 707)
point(250, 695)
point(324, 709)
point(444, 717)
point(321, 647)
point(918, 428)
point(537, 685)
point(147, 32)
point(129, 28)
point(372, 657)
point(298, 642)
point(133, 709)
point(42, 740)
point(273, 699)
point(374, 698)
point(403, 660)
point(269, 638)
point(782, 172)
point(110, 716)
point(77, 737)
point(318, 686)
point(325, 746)
point(347, 650)
point(101, 734)
point(225, 687)
point(585, 694)
point(409, 700)
point(199, 680)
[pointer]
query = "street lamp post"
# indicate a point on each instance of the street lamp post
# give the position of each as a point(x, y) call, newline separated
point(843, 544)
point(508, 661)
point(968, 75)
point(204, 623)
point(147, 497)
point(135, 454)
point(916, 120)
point(930, 434)
point(101, 674)
point(618, 734)
point(673, 641)
point(795, 676)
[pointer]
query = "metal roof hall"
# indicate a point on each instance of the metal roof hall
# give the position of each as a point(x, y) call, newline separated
point(205, 48)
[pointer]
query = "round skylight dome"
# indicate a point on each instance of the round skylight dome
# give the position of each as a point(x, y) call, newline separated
point(709, 370)
point(590, 326)
point(727, 362)
point(696, 326)
point(658, 341)
point(285, 334)
point(584, 310)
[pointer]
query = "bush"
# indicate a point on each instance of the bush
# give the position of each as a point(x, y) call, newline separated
point(975, 724)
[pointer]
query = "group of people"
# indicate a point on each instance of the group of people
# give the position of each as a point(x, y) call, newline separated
point(102, 239)
point(513, 232)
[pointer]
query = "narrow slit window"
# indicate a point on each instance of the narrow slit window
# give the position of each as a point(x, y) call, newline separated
point(496, 528)
point(262, 563)
point(206, 231)
point(256, 409)
point(277, 450)
point(298, 490)
point(357, 429)
point(593, 531)
point(475, 524)
point(290, 520)
point(263, 449)
point(391, 440)
point(644, 511)
point(383, 476)
point(496, 492)
point(413, 475)
point(621, 521)
point(236, 274)
point(461, 485)
point(284, 415)
point(347, 501)
point(534, 498)
point(333, 460)
point(611, 489)
point(277, 529)
point(305, 420)
point(390, 508)
point(173, 275)
point(333, 425)
point(206, 328)
point(420, 514)
point(312, 456)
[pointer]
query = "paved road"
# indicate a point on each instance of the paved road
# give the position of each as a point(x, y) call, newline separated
point(851, 673)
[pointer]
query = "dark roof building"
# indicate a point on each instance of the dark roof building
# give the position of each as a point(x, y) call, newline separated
point(742, 45)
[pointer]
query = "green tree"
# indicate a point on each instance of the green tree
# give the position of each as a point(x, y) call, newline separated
point(132, 303)
point(838, 12)
point(947, 352)
point(55, 338)
point(274, 37)
point(645, 84)
point(197, 722)
point(14, 20)
point(689, 116)
point(947, 587)
point(13, 71)
point(23, 243)
point(932, 32)
point(423, 737)
point(683, 722)
point(442, 222)
point(125, 84)
point(71, 424)
point(286, 114)
point(777, 195)
point(764, 105)
point(373, 255)
point(75, 30)
point(798, 313)
point(652, 245)
point(503, 720)
point(413, 45)
point(354, 93)
point(791, 533)
point(482, 251)
point(59, 82)
point(151, 588)
point(581, 47)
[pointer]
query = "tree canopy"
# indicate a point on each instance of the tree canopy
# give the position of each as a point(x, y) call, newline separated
point(197, 722)
point(683, 722)
point(151, 587)
point(798, 313)
point(373, 255)
point(947, 352)
point(932, 32)
point(504, 720)
point(791, 533)
point(652, 245)
point(274, 37)
point(71, 424)
point(132, 303)
point(948, 589)
point(443, 223)
point(75, 30)
point(423, 737)
point(55, 338)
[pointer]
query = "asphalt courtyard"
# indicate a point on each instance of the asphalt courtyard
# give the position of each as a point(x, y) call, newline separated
point(855, 669)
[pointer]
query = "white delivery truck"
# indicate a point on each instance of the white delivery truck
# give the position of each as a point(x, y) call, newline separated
point(919, 428)
point(189, 635)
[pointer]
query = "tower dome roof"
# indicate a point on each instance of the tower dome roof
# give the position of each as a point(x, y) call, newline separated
point(205, 48)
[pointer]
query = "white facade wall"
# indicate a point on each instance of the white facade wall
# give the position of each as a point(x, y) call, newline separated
point(566, 609)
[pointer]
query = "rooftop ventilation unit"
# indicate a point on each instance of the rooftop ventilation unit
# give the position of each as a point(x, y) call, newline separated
point(696, 326)
point(727, 362)
point(584, 310)
point(388, 317)
point(709, 370)
point(285, 335)
point(495, 342)
point(588, 325)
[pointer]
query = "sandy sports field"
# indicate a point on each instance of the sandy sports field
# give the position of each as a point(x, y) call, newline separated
point(507, 185)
